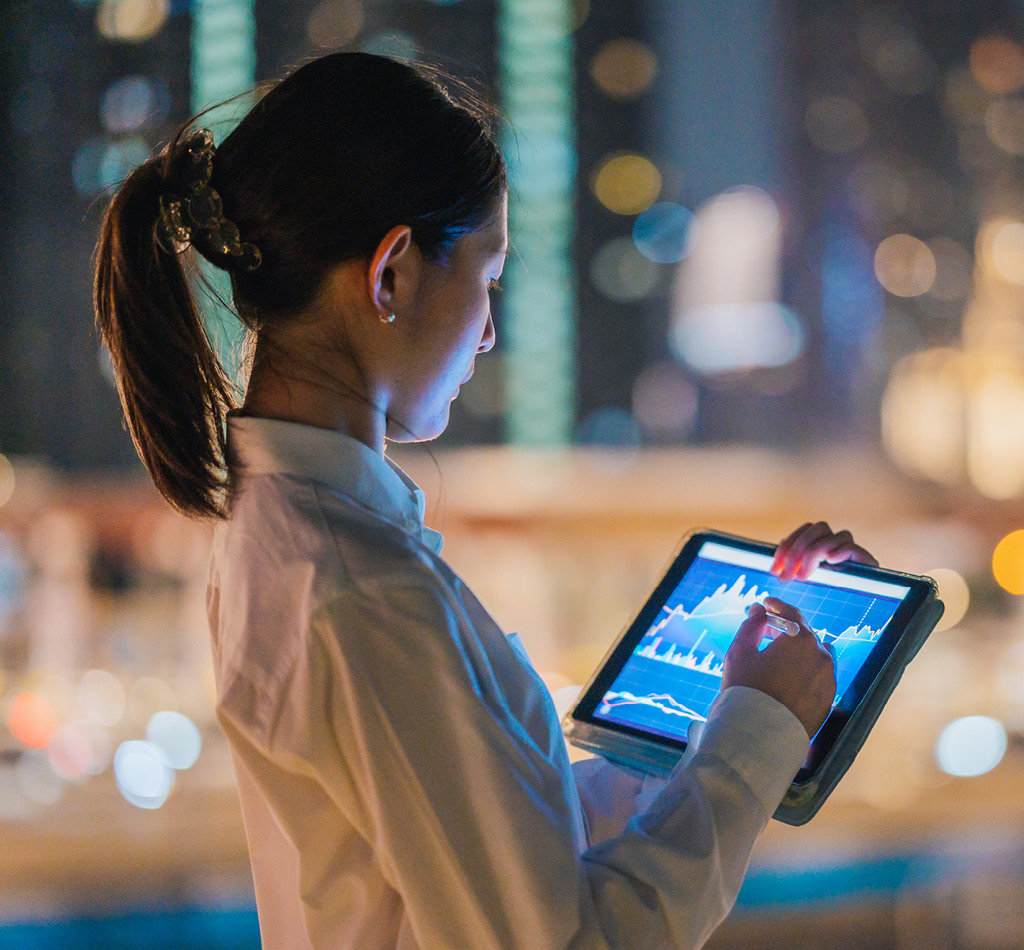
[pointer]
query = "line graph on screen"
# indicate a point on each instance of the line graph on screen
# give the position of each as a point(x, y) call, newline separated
point(676, 669)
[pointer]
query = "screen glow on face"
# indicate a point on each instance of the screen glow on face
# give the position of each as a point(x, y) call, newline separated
point(675, 671)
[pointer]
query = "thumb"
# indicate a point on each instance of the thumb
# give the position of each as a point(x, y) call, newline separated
point(751, 630)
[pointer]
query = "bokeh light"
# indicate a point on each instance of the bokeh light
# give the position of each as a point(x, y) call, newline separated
point(6, 480)
point(101, 697)
point(972, 745)
point(721, 338)
point(997, 64)
point(664, 232)
point(995, 446)
point(31, 719)
point(626, 184)
point(620, 272)
point(954, 593)
point(177, 737)
point(1008, 562)
point(965, 100)
point(952, 269)
point(133, 20)
point(143, 774)
point(624, 68)
point(904, 265)
point(1010, 674)
point(1007, 251)
point(664, 401)
point(71, 753)
point(14, 804)
point(890, 46)
point(37, 779)
point(335, 23)
point(924, 414)
point(836, 124)
point(149, 695)
point(1004, 123)
point(133, 102)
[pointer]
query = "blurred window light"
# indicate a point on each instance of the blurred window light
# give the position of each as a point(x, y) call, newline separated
point(626, 183)
point(133, 20)
point(7, 480)
point(904, 265)
point(132, 102)
point(620, 272)
point(997, 63)
point(624, 68)
point(1004, 123)
point(721, 338)
point(1008, 562)
point(924, 415)
point(954, 593)
point(177, 737)
point(143, 775)
point(335, 23)
point(952, 269)
point(664, 232)
point(836, 124)
point(31, 107)
point(37, 779)
point(664, 401)
point(101, 697)
point(1007, 251)
point(31, 719)
point(970, 746)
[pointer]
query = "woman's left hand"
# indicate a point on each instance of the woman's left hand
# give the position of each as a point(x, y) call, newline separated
point(798, 556)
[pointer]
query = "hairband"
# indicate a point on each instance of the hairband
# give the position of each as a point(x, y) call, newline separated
point(196, 216)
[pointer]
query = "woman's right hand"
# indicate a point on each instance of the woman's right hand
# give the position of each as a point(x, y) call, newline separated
point(797, 670)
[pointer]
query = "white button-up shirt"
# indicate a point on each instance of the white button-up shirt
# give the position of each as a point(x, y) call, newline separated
point(403, 778)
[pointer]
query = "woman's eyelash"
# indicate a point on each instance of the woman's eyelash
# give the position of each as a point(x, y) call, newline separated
point(493, 285)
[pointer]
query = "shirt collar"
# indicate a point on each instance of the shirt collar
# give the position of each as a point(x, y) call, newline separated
point(346, 465)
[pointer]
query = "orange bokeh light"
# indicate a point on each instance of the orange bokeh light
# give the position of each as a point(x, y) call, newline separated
point(32, 720)
point(1008, 562)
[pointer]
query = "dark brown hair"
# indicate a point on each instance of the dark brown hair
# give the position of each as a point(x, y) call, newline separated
point(328, 161)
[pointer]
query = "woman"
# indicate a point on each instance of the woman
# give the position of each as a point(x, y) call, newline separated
point(403, 778)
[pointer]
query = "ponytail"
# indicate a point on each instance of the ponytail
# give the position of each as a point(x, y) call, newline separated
point(173, 388)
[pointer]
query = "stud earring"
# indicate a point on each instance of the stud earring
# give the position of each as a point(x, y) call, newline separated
point(387, 319)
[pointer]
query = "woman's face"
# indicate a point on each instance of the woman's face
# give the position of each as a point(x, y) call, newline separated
point(451, 326)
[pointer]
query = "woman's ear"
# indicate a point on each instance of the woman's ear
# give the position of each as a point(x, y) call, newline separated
point(394, 271)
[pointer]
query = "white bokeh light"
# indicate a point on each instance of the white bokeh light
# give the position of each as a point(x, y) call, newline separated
point(177, 736)
point(972, 745)
point(144, 776)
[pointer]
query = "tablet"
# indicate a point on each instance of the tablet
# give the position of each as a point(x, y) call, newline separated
point(665, 669)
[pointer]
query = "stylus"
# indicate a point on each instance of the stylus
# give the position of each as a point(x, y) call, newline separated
point(782, 625)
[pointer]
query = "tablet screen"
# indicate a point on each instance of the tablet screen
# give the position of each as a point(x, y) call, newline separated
point(675, 670)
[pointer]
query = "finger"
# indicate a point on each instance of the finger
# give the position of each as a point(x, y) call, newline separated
point(851, 552)
point(794, 555)
point(820, 550)
point(784, 545)
point(751, 631)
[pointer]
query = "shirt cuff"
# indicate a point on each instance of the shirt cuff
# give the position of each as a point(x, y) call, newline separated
point(759, 738)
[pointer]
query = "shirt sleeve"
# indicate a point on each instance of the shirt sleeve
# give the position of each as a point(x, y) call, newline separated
point(396, 714)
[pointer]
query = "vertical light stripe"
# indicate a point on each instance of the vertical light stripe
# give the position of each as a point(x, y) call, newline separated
point(535, 62)
point(223, 64)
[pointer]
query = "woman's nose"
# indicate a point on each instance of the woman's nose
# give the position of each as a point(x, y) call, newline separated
point(487, 342)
